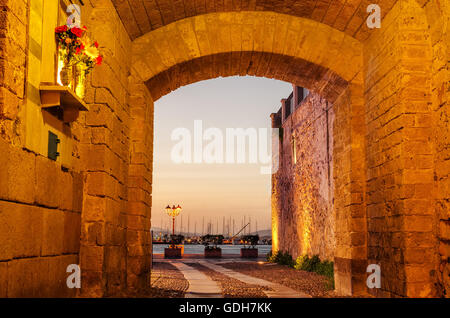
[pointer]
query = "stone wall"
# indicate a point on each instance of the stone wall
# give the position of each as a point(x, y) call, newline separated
point(400, 177)
point(40, 203)
point(53, 215)
point(391, 175)
point(390, 142)
point(115, 149)
point(439, 21)
point(349, 174)
point(304, 189)
point(140, 175)
point(40, 209)
point(13, 53)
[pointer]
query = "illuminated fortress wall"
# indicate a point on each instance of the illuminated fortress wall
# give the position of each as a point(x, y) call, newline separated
point(304, 183)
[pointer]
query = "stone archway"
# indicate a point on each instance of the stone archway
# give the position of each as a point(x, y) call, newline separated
point(390, 87)
point(299, 51)
point(353, 70)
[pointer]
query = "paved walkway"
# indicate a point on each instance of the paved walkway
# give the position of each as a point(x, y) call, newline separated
point(200, 285)
point(278, 291)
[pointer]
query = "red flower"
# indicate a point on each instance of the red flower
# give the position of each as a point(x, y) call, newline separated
point(96, 44)
point(78, 50)
point(61, 29)
point(99, 60)
point(77, 31)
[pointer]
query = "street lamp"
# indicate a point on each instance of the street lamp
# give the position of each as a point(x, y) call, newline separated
point(173, 212)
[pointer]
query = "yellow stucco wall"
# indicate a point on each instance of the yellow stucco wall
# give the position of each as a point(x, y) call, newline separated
point(42, 69)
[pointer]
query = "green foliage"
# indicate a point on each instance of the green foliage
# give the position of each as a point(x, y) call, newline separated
point(305, 263)
point(212, 239)
point(251, 240)
point(314, 264)
point(177, 239)
point(214, 247)
point(282, 258)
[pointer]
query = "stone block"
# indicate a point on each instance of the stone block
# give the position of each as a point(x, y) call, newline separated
point(94, 208)
point(48, 183)
point(113, 258)
point(93, 234)
point(136, 222)
point(3, 279)
point(72, 233)
point(53, 232)
point(21, 176)
point(66, 191)
point(9, 104)
point(418, 255)
point(21, 230)
point(92, 258)
point(102, 184)
point(138, 208)
point(419, 290)
point(92, 283)
point(444, 250)
point(6, 231)
point(444, 229)
point(26, 277)
point(114, 234)
point(78, 187)
point(414, 223)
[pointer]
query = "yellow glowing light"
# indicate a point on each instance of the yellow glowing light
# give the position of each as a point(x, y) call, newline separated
point(275, 241)
point(306, 231)
point(79, 86)
point(60, 66)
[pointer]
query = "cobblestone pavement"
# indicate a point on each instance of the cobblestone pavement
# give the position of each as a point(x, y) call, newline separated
point(167, 281)
point(232, 288)
point(306, 282)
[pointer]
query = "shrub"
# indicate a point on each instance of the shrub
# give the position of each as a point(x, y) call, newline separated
point(252, 240)
point(282, 258)
point(314, 264)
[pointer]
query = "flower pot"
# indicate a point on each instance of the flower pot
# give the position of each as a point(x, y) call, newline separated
point(79, 77)
point(66, 75)
point(172, 252)
point(249, 252)
point(213, 253)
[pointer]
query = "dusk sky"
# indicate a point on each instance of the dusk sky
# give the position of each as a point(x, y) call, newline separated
point(213, 191)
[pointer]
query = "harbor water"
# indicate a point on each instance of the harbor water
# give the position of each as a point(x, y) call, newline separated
point(199, 249)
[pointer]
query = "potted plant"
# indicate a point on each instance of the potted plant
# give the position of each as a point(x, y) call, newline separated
point(174, 251)
point(251, 251)
point(212, 251)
